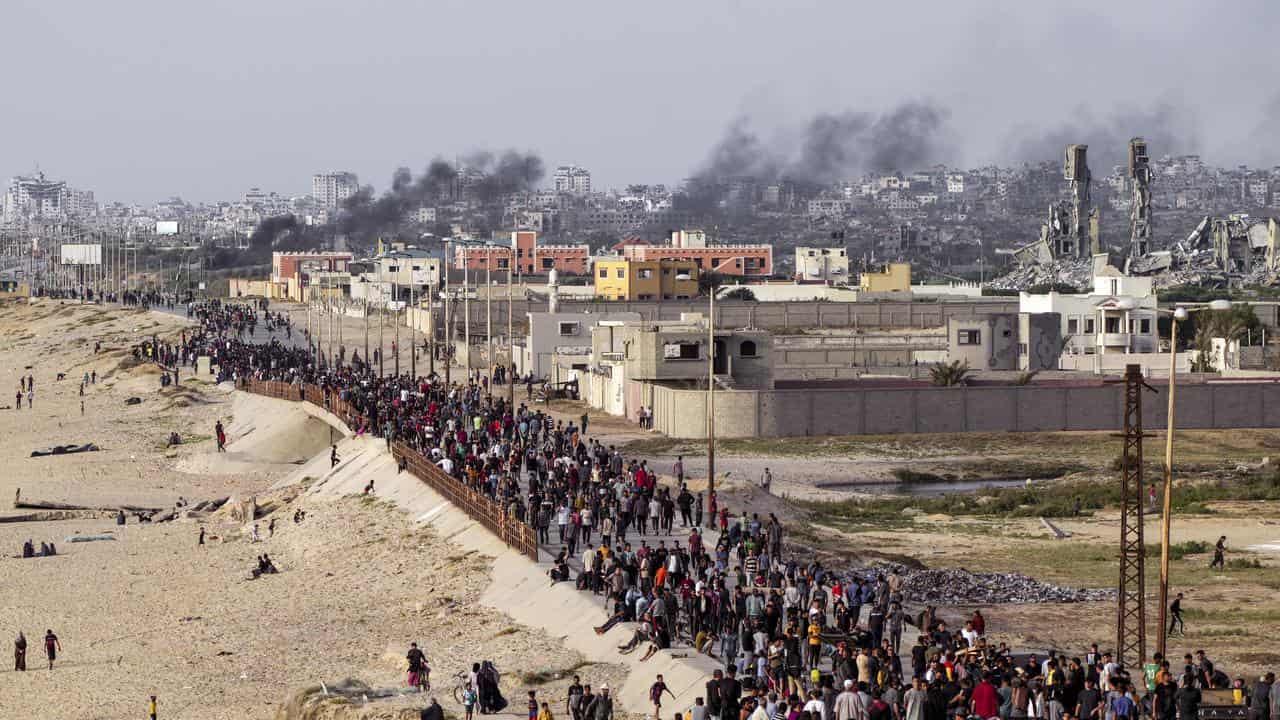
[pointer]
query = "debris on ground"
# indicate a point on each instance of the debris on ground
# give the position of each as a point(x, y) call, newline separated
point(950, 586)
point(65, 450)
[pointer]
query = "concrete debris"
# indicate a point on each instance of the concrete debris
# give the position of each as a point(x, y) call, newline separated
point(1077, 273)
point(961, 587)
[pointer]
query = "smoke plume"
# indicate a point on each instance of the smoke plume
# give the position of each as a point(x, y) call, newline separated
point(835, 146)
point(488, 178)
point(1166, 129)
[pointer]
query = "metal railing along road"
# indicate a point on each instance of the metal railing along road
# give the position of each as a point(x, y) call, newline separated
point(478, 506)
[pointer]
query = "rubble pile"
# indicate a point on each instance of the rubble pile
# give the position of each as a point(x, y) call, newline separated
point(962, 587)
point(1077, 273)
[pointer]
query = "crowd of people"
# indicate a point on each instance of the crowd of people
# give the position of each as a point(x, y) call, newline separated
point(795, 640)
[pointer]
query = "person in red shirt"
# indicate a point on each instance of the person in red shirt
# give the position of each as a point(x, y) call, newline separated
point(986, 701)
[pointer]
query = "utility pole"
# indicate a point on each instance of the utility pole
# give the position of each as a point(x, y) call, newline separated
point(431, 329)
point(395, 343)
point(1131, 615)
point(382, 304)
point(511, 340)
point(711, 390)
point(466, 314)
point(413, 341)
point(448, 320)
point(488, 309)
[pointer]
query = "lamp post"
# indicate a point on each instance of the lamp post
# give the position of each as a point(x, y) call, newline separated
point(488, 311)
point(1180, 313)
point(511, 341)
point(448, 321)
point(711, 390)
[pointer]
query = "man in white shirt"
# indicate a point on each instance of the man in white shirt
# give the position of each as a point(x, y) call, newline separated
point(849, 705)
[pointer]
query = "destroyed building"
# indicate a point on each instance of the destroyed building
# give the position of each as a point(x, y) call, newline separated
point(1071, 231)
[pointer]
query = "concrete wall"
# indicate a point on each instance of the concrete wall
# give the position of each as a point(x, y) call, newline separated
point(782, 413)
point(771, 316)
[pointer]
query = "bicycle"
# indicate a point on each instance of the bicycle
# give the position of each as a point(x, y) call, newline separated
point(460, 681)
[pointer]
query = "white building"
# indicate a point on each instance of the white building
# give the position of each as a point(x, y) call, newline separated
point(36, 197)
point(332, 188)
point(955, 183)
point(826, 265)
point(1117, 318)
point(829, 207)
point(395, 275)
point(573, 180)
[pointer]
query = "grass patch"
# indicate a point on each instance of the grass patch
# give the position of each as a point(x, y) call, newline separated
point(1178, 551)
point(1050, 500)
point(1244, 564)
point(1222, 632)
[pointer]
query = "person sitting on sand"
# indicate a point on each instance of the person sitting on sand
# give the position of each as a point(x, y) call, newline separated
point(28, 549)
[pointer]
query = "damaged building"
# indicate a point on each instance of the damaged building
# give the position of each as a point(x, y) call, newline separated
point(1071, 231)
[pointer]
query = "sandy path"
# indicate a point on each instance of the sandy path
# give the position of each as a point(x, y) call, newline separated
point(151, 612)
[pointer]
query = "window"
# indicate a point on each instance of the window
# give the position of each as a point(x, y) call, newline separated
point(666, 271)
point(1111, 325)
point(1022, 348)
point(969, 337)
point(747, 349)
point(393, 268)
point(680, 351)
point(1144, 326)
point(568, 328)
point(503, 263)
point(645, 274)
point(604, 272)
point(1088, 326)
point(644, 296)
point(548, 263)
point(621, 273)
point(1073, 326)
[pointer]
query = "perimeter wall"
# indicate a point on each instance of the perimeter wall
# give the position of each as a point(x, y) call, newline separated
point(681, 413)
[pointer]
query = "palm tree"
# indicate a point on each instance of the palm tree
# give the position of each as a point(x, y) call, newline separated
point(950, 374)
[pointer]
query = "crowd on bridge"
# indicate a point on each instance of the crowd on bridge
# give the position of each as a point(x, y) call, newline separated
point(795, 640)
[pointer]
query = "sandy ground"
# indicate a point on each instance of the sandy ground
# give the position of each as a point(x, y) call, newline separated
point(152, 612)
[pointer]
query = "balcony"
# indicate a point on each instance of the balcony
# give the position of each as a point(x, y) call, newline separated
point(1115, 339)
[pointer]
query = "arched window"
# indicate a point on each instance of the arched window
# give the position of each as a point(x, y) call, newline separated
point(748, 348)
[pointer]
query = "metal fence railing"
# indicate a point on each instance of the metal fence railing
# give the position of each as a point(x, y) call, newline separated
point(479, 507)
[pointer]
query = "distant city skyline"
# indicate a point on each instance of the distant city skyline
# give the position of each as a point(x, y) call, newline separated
point(149, 100)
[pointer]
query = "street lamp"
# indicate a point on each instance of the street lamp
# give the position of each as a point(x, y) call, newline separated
point(1179, 313)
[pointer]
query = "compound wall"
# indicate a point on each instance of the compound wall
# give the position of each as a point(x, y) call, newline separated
point(883, 411)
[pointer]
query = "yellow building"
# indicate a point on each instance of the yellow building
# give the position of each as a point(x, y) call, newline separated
point(646, 279)
point(896, 277)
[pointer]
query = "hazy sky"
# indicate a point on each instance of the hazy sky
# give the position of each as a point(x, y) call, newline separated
point(142, 99)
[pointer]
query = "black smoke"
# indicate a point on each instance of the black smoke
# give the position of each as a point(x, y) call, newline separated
point(1167, 130)
point(285, 233)
point(488, 177)
point(505, 173)
point(835, 146)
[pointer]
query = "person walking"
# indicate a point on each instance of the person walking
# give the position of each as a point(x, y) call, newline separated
point(1175, 616)
point(20, 653)
point(51, 647)
point(222, 436)
point(151, 708)
point(1219, 554)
